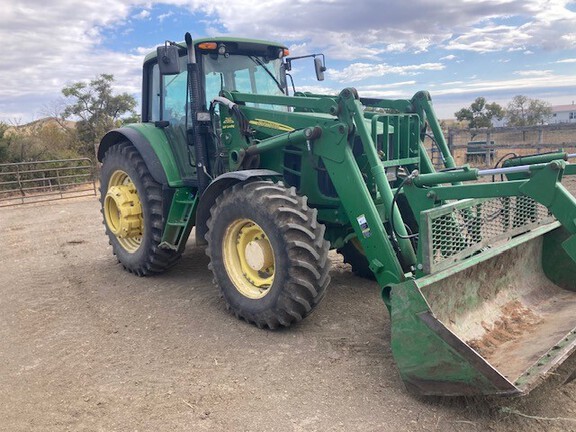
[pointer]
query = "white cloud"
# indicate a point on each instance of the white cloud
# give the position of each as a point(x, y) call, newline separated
point(142, 14)
point(490, 39)
point(569, 39)
point(317, 89)
point(416, 26)
point(534, 73)
point(397, 46)
point(385, 86)
point(480, 87)
point(386, 94)
point(298, 49)
point(359, 71)
point(448, 57)
point(570, 60)
point(163, 16)
point(422, 45)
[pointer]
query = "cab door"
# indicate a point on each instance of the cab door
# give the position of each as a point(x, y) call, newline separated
point(174, 108)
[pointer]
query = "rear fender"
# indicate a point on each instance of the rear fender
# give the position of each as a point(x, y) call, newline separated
point(218, 186)
point(152, 145)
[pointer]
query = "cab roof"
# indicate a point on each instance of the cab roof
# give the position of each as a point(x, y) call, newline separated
point(243, 41)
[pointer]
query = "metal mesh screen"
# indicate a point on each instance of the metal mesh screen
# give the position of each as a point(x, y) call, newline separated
point(455, 231)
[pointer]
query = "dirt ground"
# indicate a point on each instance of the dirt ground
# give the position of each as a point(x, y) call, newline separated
point(85, 346)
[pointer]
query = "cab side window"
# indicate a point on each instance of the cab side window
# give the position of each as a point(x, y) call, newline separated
point(174, 98)
point(154, 94)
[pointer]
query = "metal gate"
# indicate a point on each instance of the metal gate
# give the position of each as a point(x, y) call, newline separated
point(33, 182)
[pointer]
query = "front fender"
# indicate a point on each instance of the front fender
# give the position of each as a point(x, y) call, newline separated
point(218, 185)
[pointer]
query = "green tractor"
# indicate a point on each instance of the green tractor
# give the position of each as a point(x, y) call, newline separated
point(478, 276)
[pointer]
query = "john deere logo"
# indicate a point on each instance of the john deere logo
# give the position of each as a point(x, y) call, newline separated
point(271, 125)
point(228, 123)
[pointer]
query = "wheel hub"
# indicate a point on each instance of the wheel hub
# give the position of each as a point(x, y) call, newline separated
point(248, 258)
point(259, 255)
point(123, 211)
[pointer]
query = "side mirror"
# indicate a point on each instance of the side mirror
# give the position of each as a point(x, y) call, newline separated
point(168, 59)
point(320, 68)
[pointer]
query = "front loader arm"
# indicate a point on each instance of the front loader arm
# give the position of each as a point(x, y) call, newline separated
point(545, 187)
point(333, 143)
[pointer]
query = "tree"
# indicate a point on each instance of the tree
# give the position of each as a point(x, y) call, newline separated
point(39, 140)
point(523, 111)
point(4, 143)
point(480, 113)
point(97, 108)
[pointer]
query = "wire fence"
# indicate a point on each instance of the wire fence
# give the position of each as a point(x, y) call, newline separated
point(33, 182)
point(486, 148)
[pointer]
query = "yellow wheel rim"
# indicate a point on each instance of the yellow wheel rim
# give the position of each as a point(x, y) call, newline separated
point(123, 211)
point(248, 258)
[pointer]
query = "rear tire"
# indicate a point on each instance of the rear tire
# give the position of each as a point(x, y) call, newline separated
point(267, 253)
point(132, 208)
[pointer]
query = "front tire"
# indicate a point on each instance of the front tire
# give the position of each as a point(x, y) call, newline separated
point(132, 208)
point(267, 253)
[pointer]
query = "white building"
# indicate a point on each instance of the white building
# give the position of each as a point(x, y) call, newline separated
point(563, 114)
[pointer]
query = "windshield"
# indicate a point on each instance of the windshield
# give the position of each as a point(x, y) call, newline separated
point(242, 73)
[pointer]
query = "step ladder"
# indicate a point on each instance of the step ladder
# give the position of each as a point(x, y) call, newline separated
point(179, 222)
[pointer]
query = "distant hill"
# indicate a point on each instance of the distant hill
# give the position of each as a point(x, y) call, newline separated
point(36, 125)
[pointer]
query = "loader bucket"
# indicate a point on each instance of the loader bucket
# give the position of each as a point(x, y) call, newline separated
point(497, 321)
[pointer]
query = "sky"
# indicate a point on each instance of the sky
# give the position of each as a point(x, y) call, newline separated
point(457, 50)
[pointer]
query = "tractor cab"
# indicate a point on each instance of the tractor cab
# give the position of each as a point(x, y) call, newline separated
point(177, 97)
point(224, 64)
